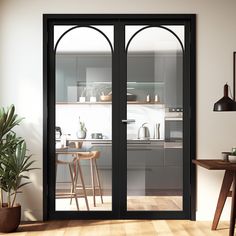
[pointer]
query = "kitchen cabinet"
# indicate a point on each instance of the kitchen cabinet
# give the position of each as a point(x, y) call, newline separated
point(136, 169)
point(173, 157)
point(173, 78)
point(174, 167)
point(104, 164)
point(167, 176)
point(90, 75)
point(147, 73)
point(162, 67)
point(153, 168)
point(141, 159)
point(74, 69)
point(65, 75)
point(164, 178)
point(150, 167)
point(140, 67)
point(147, 155)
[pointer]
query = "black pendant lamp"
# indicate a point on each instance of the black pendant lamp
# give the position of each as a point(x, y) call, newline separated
point(226, 103)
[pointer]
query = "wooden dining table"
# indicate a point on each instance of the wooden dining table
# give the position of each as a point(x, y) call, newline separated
point(228, 181)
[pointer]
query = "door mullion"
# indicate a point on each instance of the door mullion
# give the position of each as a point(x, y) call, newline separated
point(116, 118)
point(123, 126)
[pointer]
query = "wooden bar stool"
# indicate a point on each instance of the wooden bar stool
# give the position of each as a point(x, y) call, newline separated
point(92, 157)
point(73, 176)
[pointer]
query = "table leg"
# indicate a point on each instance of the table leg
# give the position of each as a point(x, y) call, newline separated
point(233, 208)
point(225, 188)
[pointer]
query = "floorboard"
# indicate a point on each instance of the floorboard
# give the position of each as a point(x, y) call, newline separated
point(145, 203)
point(120, 228)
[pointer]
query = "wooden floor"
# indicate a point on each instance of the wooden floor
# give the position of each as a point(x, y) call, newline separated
point(134, 203)
point(121, 227)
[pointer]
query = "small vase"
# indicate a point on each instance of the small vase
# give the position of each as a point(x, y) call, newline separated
point(81, 134)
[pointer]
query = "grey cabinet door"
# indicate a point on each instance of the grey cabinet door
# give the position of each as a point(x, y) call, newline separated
point(173, 157)
point(155, 157)
point(66, 76)
point(173, 78)
point(86, 69)
point(141, 163)
point(169, 175)
point(164, 178)
point(105, 159)
point(145, 156)
point(140, 67)
point(104, 165)
point(136, 169)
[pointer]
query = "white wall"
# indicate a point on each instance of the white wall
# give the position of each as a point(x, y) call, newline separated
point(21, 77)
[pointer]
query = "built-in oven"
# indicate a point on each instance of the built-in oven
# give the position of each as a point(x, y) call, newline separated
point(174, 125)
point(173, 146)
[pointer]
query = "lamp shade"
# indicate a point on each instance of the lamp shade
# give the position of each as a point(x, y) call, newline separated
point(225, 103)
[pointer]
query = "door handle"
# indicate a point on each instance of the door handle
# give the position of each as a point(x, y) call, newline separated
point(128, 121)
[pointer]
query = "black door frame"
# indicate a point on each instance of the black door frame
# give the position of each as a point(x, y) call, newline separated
point(118, 113)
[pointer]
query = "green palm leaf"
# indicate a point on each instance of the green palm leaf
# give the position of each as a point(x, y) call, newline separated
point(14, 161)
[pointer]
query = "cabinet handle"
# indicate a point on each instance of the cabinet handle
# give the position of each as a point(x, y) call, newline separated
point(128, 121)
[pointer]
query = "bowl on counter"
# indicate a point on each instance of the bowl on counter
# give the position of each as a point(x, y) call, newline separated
point(105, 98)
point(131, 97)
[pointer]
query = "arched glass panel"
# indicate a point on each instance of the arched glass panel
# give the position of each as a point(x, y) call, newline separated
point(83, 85)
point(155, 102)
point(74, 40)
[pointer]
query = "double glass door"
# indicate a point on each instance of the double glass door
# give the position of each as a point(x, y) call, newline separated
point(119, 143)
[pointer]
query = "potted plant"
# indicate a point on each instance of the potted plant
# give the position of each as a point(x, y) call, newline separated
point(81, 133)
point(14, 162)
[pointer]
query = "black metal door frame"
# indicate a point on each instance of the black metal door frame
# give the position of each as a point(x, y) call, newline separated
point(119, 142)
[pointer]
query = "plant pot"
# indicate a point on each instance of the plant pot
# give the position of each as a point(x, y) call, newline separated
point(81, 134)
point(9, 218)
point(232, 158)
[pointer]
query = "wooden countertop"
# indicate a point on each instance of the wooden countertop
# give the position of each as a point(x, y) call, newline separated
point(215, 164)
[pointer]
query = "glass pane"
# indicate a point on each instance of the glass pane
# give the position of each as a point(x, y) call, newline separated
point(74, 40)
point(155, 102)
point(83, 119)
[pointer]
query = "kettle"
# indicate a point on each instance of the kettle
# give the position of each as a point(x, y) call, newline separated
point(143, 132)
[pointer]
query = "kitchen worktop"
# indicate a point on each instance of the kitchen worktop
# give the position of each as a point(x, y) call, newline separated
point(151, 143)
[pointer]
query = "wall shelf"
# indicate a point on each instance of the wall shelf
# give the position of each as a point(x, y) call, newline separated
point(107, 103)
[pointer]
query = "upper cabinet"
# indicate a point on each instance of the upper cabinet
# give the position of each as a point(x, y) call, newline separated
point(76, 74)
point(66, 74)
point(169, 66)
point(89, 76)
